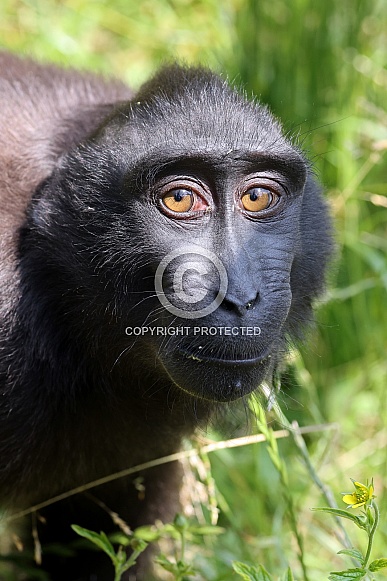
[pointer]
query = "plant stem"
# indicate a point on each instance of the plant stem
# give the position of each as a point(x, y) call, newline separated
point(120, 569)
point(283, 474)
point(372, 533)
point(182, 545)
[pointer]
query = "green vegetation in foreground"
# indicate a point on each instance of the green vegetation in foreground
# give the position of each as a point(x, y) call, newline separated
point(322, 69)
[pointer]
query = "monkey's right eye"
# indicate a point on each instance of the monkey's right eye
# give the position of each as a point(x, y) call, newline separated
point(179, 200)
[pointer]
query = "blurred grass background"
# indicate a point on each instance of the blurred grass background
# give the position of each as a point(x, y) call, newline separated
point(321, 66)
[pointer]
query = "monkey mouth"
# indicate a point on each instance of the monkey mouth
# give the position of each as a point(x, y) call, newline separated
point(219, 376)
point(217, 371)
point(225, 361)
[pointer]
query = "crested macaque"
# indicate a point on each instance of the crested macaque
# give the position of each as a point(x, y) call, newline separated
point(158, 252)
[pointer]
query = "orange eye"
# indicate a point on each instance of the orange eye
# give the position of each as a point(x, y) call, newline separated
point(179, 200)
point(258, 199)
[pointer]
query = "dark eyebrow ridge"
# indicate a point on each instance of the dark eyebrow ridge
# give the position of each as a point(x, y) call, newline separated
point(147, 170)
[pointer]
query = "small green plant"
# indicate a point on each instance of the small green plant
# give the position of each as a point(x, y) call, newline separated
point(368, 520)
point(121, 562)
point(179, 531)
point(179, 568)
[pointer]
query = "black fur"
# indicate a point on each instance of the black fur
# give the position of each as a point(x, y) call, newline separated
point(83, 168)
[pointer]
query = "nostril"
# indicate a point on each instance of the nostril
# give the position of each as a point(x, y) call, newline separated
point(231, 303)
point(228, 305)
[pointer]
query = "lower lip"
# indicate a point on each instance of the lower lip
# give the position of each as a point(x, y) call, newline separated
point(225, 362)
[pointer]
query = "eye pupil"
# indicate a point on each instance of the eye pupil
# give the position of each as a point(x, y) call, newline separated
point(178, 196)
point(253, 196)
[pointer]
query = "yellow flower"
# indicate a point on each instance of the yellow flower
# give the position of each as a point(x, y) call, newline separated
point(361, 495)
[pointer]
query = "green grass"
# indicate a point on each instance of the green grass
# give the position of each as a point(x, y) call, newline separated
point(321, 66)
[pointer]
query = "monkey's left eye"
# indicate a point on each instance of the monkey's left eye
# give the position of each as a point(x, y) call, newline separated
point(258, 199)
point(182, 200)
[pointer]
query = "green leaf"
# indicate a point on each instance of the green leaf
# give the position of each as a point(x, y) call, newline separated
point(147, 533)
point(121, 558)
point(370, 516)
point(250, 573)
point(206, 530)
point(178, 569)
point(378, 564)
point(348, 575)
point(138, 545)
point(120, 538)
point(353, 553)
point(99, 539)
point(166, 564)
point(185, 568)
point(151, 533)
point(343, 514)
point(288, 576)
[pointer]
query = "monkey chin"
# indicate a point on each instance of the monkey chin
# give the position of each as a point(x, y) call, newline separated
point(213, 379)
